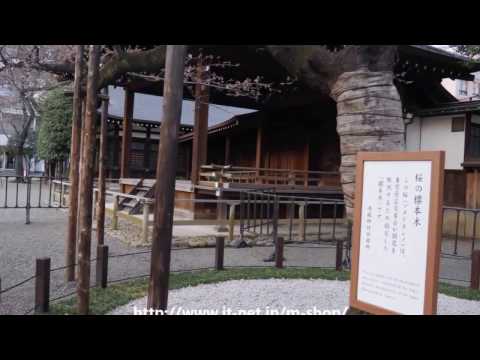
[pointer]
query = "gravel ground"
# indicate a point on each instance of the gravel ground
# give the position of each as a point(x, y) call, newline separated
point(21, 244)
point(275, 296)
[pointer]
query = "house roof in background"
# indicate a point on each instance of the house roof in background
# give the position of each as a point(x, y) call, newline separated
point(149, 108)
point(452, 108)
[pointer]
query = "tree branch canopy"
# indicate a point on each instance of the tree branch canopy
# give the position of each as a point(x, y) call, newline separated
point(149, 61)
point(319, 67)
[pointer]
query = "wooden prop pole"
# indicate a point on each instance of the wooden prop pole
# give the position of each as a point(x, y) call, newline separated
point(86, 182)
point(71, 240)
point(165, 184)
point(101, 170)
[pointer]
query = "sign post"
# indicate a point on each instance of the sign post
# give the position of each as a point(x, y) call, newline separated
point(396, 235)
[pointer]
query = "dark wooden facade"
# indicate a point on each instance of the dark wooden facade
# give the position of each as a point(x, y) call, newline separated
point(298, 138)
point(292, 130)
point(142, 157)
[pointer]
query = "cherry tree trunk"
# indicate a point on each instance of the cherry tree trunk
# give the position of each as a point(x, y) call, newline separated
point(369, 118)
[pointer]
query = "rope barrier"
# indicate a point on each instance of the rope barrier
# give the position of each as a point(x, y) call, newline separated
point(18, 284)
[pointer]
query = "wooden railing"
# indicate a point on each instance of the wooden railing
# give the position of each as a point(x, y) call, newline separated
point(266, 176)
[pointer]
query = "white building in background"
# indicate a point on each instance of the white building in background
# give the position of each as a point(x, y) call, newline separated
point(7, 160)
point(461, 89)
point(464, 90)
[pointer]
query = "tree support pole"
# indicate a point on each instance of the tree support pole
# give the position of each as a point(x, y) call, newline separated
point(86, 182)
point(101, 170)
point(71, 240)
point(165, 178)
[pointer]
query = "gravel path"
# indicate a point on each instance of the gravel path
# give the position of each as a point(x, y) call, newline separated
point(21, 244)
point(275, 297)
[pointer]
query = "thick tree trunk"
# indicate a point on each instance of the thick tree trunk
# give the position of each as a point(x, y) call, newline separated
point(369, 118)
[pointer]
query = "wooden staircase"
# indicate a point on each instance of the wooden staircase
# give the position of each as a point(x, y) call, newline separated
point(135, 206)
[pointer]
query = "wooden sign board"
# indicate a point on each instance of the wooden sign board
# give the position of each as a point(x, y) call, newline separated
point(396, 236)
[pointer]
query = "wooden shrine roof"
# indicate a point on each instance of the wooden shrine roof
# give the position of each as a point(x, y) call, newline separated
point(118, 120)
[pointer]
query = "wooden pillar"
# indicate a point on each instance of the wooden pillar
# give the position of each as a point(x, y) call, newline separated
point(101, 170)
point(71, 240)
point(221, 212)
point(258, 151)
point(188, 162)
point(475, 188)
point(86, 182)
point(146, 149)
point(166, 172)
point(231, 222)
point(228, 146)
point(127, 133)
point(116, 150)
point(200, 128)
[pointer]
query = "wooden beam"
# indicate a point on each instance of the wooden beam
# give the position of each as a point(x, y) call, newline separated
point(165, 183)
point(71, 240)
point(200, 128)
point(127, 133)
point(86, 182)
point(102, 157)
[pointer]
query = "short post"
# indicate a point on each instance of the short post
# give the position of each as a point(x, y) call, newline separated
point(219, 252)
point(301, 221)
point(277, 240)
point(115, 213)
point(221, 215)
point(27, 207)
point(231, 222)
point(279, 252)
point(339, 256)
point(475, 275)
point(146, 214)
point(42, 285)
point(0, 290)
point(64, 197)
point(102, 266)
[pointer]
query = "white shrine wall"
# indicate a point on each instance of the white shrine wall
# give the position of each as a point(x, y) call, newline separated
point(435, 133)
